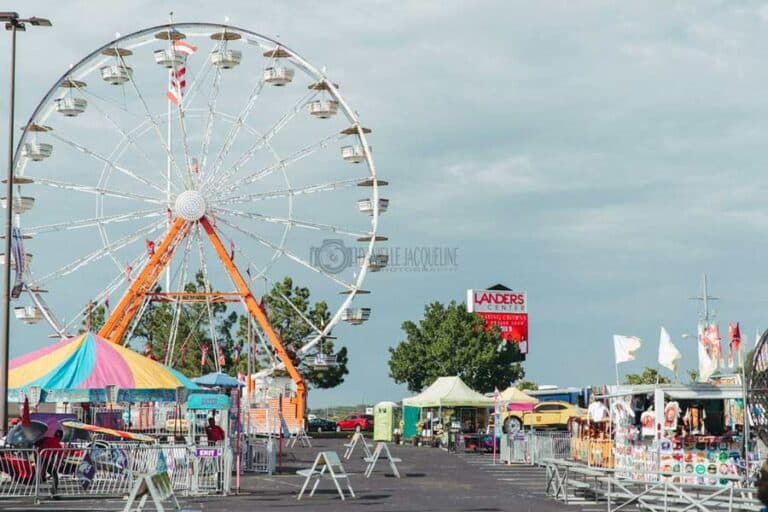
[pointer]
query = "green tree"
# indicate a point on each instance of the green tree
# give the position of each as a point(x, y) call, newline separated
point(94, 319)
point(524, 385)
point(451, 341)
point(693, 375)
point(197, 327)
point(288, 309)
point(649, 376)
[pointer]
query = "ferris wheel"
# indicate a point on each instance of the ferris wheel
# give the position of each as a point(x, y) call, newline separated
point(186, 149)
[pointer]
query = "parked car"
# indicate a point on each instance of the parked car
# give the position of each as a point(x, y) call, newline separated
point(356, 422)
point(552, 414)
point(321, 425)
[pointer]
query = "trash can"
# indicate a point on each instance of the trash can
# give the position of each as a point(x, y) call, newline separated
point(383, 421)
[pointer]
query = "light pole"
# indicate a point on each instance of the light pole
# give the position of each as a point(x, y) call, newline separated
point(14, 24)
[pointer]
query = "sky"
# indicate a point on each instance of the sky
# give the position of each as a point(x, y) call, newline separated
point(601, 156)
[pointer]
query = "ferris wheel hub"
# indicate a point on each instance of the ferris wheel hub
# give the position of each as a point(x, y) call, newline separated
point(190, 205)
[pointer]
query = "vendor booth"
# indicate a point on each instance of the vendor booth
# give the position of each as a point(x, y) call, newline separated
point(692, 433)
point(447, 403)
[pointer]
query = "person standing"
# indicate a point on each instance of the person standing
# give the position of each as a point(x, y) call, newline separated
point(213, 432)
point(51, 455)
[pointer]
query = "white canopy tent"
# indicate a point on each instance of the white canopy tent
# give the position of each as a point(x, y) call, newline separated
point(449, 392)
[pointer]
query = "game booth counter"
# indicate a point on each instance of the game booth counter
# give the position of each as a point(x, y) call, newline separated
point(592, 436)
point(692, 434)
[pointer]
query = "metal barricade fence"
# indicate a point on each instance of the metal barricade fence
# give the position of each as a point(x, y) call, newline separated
point(516, 448)
point(111, 469)
point(550, 445)
point(18, 473)
point(534, 447)
point(211, 470)
point(259, 454)
point(105, 469)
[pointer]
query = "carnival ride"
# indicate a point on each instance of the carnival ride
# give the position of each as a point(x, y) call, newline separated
point(178, 145)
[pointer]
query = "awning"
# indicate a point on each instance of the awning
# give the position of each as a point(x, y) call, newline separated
point(698, 391)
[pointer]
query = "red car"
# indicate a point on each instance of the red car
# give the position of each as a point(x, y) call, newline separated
point(356, 422)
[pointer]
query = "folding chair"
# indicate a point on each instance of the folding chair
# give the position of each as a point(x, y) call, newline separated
point(302, 437)
point(357, 437)
point(326, 465)
point(377, 452)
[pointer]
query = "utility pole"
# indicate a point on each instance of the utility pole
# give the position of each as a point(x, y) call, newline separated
point(14, 24)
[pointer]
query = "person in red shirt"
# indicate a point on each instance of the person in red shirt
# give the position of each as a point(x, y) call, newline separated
point(52, 454)
point(213, 432)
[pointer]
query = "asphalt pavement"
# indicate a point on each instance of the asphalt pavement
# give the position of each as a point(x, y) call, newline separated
point(431, 480)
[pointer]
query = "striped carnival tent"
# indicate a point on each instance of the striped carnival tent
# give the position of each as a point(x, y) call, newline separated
point(79, 369)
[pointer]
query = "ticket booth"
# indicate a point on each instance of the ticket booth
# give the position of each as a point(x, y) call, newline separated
point(383, 421)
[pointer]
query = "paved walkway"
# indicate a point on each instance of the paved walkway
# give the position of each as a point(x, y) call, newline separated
point(432, 480)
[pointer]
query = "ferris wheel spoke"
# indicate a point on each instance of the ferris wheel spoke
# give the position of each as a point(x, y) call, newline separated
point(156, 126)
point(94, 221)
point(107, 161)
point(89, 189)
point(101, 252)
point(295, 308)
point(261, 142)
point(185, 143)
point(201, 76)
point(234, 130)
point(112, 286)
point(126, 135)
point(277, 194)
point(209, 120)
point(292, 222)
point(284, 163)
point(287, 253)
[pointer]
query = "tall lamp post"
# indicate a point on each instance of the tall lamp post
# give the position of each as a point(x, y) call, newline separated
point(14, 24)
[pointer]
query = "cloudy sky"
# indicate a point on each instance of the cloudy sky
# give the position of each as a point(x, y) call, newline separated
point(601, 156)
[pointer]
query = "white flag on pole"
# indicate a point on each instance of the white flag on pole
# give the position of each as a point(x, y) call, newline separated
point(707, 365)
point(668, 353)
point(625, 347)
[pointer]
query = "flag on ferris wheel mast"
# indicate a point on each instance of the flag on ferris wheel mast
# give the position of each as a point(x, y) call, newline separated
point(176, 81)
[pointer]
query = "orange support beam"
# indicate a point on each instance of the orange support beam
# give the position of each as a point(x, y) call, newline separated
point(255, 310)
point(116, 325)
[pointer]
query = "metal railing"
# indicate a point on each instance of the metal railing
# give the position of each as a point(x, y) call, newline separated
point(110, 469)
point(259, 455)
point(18, 476)
point(533, 447)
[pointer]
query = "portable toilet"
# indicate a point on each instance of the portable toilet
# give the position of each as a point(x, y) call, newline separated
point(383, 421)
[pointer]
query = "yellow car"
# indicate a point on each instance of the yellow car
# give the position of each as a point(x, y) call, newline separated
point(554, 414)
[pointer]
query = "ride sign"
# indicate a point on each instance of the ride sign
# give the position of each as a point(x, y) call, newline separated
point(504, 308)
